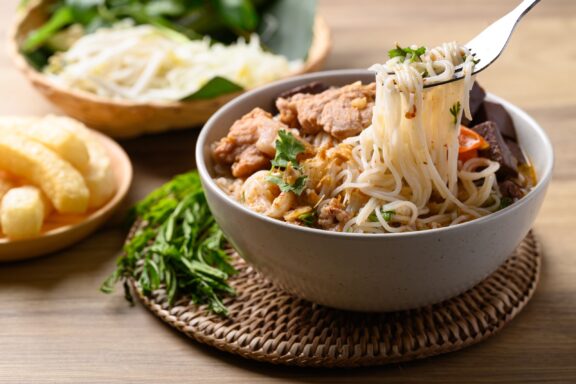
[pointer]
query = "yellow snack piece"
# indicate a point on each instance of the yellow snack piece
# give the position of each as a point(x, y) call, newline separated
point(5, 185)
point(49, 132)
point(22, 212)
point(99, 177)
point(60, 181)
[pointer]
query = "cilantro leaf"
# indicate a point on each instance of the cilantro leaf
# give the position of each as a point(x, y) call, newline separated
point(298, 186)
point(287, 149)
point(308, 218)
point(403, 52)
point(386, 215)
point(455, 111)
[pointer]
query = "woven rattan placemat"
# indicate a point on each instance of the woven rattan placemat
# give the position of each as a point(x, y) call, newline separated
point(267, 324)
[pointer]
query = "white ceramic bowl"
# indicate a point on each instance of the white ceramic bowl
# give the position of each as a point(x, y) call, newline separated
point(363, 272)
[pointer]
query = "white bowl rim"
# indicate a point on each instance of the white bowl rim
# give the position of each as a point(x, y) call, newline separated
point(208, 181)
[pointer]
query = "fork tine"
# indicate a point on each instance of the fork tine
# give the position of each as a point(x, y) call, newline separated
point(489, 44)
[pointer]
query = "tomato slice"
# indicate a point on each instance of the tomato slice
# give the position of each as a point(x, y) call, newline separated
point(465, 156)
point(470, 141)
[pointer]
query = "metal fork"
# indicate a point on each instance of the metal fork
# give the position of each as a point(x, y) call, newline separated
point(489, 44)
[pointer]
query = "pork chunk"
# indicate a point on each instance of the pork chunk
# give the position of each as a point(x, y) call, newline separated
point(509, 188)
point(346, 117)
point(332, 216)
point(341, 112)
point(250, 161)
point(249, 145)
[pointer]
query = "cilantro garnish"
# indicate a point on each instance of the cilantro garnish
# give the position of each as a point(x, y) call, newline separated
point(288, 148)
point(455, 111)
point(403, 52)
point(308, 218)
point(298, 186)
point(386, 215)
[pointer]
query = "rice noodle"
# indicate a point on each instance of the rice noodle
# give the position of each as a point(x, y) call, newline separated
point(406, 162)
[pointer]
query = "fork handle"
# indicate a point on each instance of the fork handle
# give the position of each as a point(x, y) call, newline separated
point(523, 8)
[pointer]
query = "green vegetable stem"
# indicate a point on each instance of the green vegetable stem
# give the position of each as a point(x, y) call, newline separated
point(177, 246)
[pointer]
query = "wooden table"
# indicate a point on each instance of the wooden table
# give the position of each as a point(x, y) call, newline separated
point(55, 326)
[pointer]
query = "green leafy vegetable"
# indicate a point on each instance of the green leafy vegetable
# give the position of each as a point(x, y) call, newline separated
point(240, 15)
point(285, 164)
point(60, 19)
point(223, 20)
point(386, 215)
point(308, 219)
point(38, 58)
point(297, 187)
point(178, 247)
point(287, 27)
point(218, 86)
point(288, 148)
point(455, 111)
point(404, 52)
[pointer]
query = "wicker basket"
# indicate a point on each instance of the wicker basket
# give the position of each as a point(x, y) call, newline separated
point(120, 118)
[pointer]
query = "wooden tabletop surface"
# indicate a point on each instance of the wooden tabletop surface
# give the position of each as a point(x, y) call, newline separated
point(55, 326)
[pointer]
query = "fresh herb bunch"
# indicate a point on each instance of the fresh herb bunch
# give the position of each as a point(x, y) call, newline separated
point(286, 172)
point(223, 20)
point(178, 247)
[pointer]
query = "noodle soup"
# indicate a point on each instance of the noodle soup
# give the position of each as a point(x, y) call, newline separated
point(390, 156)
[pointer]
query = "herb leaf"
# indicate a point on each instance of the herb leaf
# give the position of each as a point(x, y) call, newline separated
point(403, 52)
point(217, 86)
point(298, 186)
point(308, 219)
point(277, 30)
point(237, 14)
point(386, 215)
point(61, 18)
point(179, 247)
point(287, 149)
point(455, 111)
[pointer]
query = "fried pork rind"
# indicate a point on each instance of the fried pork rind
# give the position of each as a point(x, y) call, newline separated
point(22, 212)
point(60, 181)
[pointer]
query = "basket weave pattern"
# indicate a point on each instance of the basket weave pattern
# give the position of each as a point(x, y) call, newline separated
point(267, 324)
